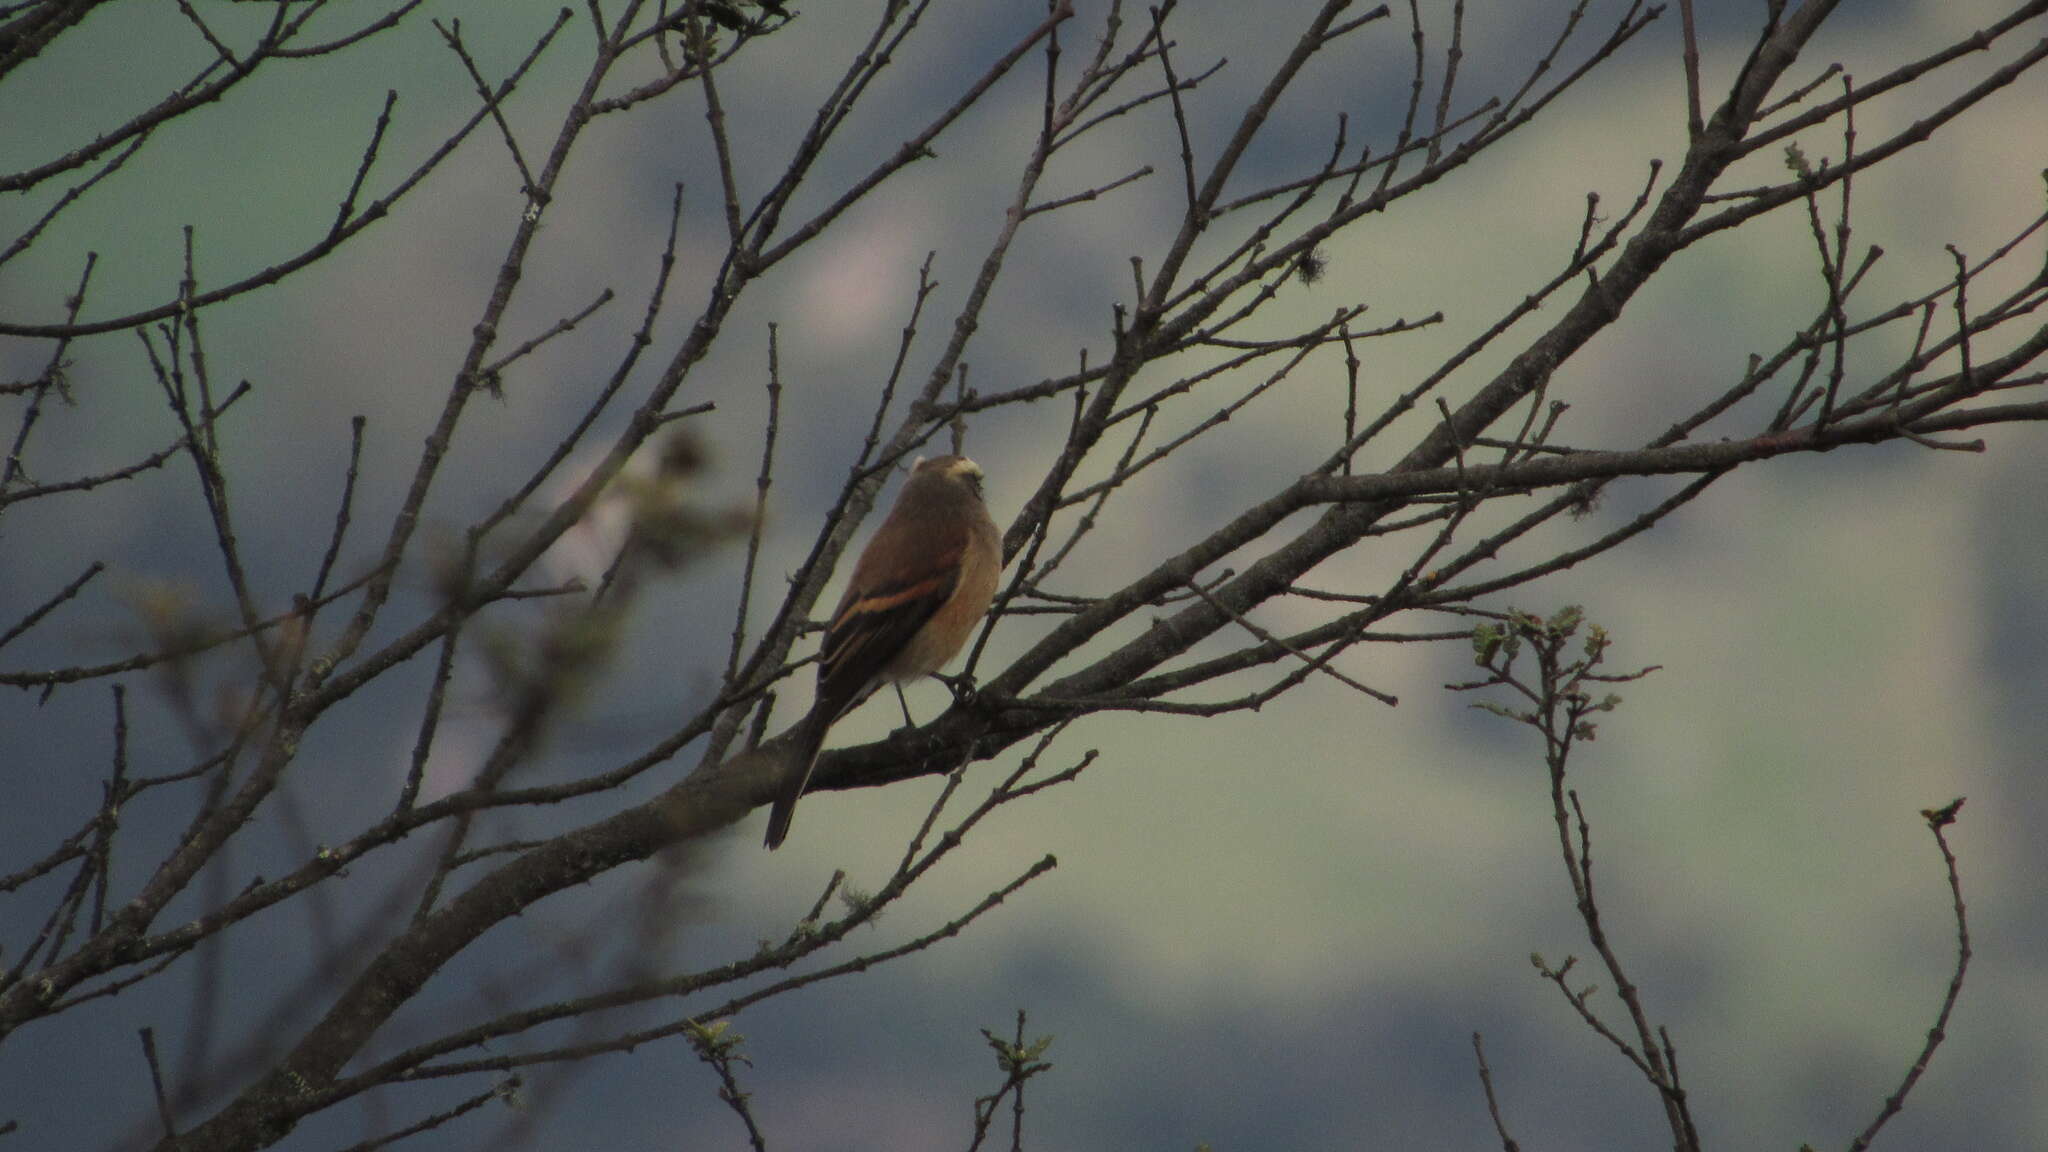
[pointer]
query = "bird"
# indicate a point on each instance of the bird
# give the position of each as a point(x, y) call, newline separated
point(921, 585)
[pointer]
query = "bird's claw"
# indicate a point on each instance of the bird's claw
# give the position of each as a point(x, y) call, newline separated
point(963, 688)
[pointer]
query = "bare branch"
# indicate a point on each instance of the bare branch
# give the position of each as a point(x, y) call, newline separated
point(1938, 822)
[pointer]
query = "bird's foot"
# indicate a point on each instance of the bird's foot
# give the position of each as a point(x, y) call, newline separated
point(962, 687)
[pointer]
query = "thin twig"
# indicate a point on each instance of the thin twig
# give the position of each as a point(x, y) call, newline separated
point(1938, 821)
point(1507, 1142)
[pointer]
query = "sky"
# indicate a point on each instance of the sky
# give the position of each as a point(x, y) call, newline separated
point(1278, 930)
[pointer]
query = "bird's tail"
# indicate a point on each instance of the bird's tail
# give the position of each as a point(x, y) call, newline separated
point(796, 775)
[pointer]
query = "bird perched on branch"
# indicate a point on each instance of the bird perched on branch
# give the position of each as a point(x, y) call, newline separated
point(922, 584)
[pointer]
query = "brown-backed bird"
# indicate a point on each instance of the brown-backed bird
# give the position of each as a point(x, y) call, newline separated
point(916, 594)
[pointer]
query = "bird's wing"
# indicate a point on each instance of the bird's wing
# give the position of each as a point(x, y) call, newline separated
point(882, 610)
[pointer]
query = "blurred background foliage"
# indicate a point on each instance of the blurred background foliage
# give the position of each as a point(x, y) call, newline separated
point(1267, 931)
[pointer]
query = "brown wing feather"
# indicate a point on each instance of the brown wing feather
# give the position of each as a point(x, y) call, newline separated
point(905, 575)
